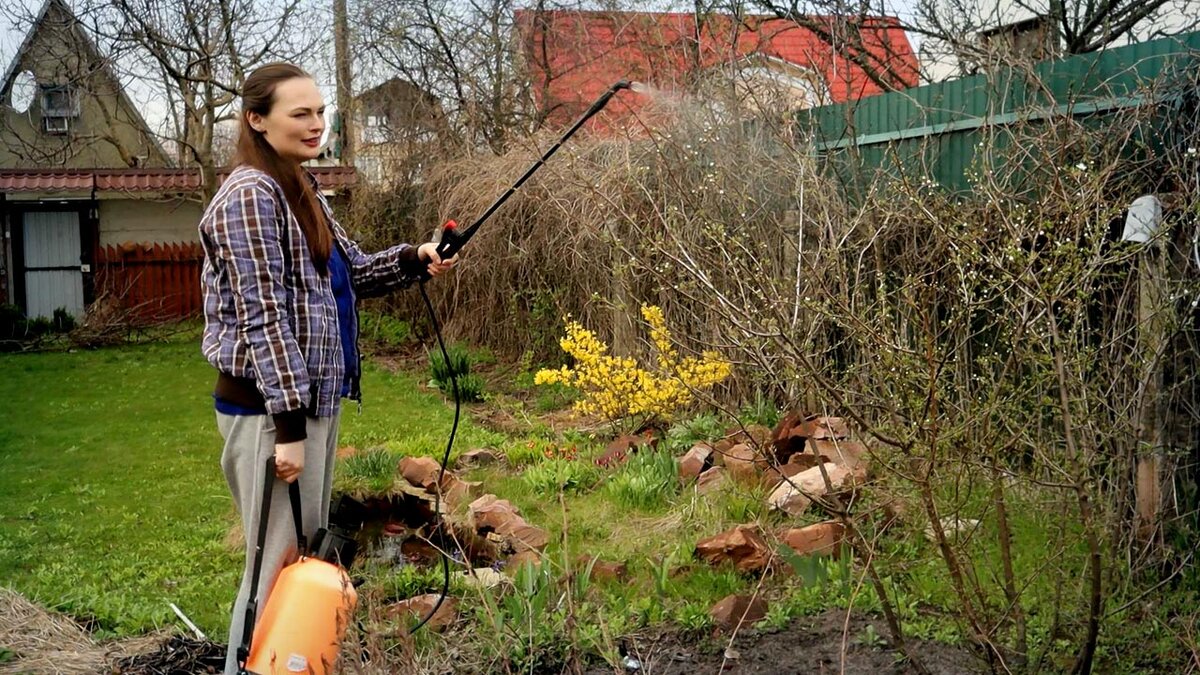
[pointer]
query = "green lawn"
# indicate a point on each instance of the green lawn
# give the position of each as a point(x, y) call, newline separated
point(112, 502)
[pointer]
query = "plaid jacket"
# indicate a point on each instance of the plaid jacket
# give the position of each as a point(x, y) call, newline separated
point(268, 314)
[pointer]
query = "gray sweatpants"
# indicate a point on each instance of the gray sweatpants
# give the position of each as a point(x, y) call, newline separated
point(249, 441)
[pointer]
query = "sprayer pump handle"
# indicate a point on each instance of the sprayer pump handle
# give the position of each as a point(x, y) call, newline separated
point(451, 242)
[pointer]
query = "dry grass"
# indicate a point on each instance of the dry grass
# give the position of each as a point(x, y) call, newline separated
point(54, 644)
point(584, 236)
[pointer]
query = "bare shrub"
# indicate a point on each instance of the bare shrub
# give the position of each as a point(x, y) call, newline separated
point(1002, 348)
point(1005, 352)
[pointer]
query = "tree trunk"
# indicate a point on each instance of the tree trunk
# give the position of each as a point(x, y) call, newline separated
point(345, 89)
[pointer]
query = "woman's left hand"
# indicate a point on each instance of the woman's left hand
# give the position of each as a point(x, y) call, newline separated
point(428, 253)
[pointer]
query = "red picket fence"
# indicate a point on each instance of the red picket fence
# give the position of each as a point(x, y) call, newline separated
point(156, 282)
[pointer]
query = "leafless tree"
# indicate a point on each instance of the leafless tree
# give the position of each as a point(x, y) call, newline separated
point(469, 55)
point(197, 53)
point(460, 53)
point(957, 32)
point(973, 33)
point(859, 31)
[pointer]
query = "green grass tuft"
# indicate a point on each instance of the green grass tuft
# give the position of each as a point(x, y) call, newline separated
point(550, 477)
point(646, 482)
point(367, 473)
point(705, 427)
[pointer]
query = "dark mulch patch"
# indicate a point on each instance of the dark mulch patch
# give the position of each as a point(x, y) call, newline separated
point(810, 645)
point(177, 656)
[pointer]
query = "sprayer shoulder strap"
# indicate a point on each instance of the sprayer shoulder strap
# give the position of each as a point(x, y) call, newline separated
point(260, 543)
point(298, 516)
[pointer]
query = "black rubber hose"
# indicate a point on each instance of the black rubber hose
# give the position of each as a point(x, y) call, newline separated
point(437, 495)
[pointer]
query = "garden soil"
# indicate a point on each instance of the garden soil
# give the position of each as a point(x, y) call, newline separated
point(44, 642)
point(809, 646)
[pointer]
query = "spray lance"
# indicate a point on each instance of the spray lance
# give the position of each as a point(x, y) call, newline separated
point(451, 242)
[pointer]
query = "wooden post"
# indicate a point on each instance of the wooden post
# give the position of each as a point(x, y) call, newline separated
point(1152, 336)
point(624, 312)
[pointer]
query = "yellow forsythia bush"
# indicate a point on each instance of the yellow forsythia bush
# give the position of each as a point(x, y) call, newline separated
point(617, 388)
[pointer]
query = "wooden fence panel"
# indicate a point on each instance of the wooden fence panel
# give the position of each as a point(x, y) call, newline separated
point(155, 282)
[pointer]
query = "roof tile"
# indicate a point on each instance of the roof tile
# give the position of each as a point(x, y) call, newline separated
point(139, 180)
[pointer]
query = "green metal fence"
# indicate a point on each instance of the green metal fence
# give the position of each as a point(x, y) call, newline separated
point(934, 132)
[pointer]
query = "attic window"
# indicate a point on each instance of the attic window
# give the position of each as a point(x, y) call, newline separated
point(56, 125)
point(60, 107)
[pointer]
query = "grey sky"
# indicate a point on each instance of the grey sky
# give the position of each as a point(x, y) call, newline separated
point(321, 64)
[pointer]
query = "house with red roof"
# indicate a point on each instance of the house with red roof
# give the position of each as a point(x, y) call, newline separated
point(573, 56)
point(90, 206)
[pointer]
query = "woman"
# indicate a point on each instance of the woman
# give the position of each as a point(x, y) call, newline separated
point(280, 281)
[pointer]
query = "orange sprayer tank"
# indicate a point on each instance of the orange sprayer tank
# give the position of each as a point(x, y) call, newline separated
point(301, 629)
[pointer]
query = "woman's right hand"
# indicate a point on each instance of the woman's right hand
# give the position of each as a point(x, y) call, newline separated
point(427, 253)
point(289, 460)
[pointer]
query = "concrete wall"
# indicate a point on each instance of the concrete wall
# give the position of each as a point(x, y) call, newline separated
point(145, 221)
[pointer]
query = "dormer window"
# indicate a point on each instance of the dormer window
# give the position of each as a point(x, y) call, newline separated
point(60, 108)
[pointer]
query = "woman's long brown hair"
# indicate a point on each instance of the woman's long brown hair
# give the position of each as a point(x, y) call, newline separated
point(258, 95)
